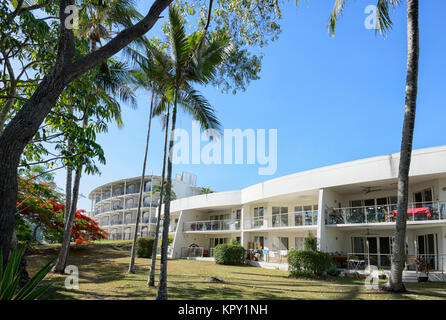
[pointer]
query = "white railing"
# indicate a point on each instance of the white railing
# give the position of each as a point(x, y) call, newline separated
point(197, 252)
point(360, 261)
point(212, 225)
point(417, 211)
point(292, 219)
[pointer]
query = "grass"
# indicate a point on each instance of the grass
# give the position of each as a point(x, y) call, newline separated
point(103, 275)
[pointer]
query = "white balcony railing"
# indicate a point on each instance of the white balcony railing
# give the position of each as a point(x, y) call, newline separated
point(292, 219)
point(197, 252)
point(212, 225)
point(417, 211)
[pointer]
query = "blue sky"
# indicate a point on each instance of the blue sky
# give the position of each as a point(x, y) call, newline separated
point(331, 99)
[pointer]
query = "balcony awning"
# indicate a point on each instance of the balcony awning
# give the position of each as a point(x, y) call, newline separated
point(424, 211)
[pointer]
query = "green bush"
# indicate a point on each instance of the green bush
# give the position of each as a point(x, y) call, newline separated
point(144, 247)
point(310, 243)
point(308, 262)
point(232, 254)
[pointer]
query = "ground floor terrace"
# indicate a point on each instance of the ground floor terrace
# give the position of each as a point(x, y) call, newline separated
point(103, 275)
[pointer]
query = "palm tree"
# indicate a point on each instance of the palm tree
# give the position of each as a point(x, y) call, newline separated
point(132, 268)
point(151, 279)
point(187, 66)
point(109, 84)
point(384, 23)
point(96, 21)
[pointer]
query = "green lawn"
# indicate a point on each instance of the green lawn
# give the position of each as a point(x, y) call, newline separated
point(103, 275)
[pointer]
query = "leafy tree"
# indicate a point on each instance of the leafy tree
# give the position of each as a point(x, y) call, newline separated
point(384, 23)
point(206, 190)
point(250, 23)
point(40, 205)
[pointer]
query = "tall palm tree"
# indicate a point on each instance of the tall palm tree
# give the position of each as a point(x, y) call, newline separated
point(184, 67)
point(108, 86)
point(151, 279)
point(384, 23)
point(132, 268)
point(149, 76)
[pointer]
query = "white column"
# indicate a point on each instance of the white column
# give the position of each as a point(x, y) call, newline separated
point(321, 236)
point(243, 238)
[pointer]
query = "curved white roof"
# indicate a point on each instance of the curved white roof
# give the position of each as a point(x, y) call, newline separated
point(425, 162)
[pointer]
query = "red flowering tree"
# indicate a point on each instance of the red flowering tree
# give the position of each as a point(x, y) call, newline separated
point(40, 203)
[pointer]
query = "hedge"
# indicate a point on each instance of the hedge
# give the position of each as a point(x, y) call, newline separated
point(308, 262)
point(230, 254)
point(144, 247)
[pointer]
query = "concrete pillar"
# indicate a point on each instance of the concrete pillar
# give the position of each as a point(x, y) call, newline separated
point(321, 236)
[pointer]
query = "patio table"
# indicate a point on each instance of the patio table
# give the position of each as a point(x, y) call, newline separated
point(355, 263)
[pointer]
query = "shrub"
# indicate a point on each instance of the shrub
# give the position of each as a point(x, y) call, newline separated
point(333, 271)
point(308, 262)
point(310, 243)
point(231, 254)
point(144, 247)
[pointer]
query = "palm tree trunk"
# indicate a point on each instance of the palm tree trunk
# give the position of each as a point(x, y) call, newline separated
point(162, 286)
point(62, 258)
point(132, 268)
point(399, 246)
point(151, 280)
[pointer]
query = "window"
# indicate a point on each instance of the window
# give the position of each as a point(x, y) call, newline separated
point(280, 216)
point(280, 243)
point(258, 217)
point(423, 198)
point(131, 188)
point(259, 241)
point(315, 213)
point(216, 241)
point(308, 211)
point(299, 243)
point(298, 216)
point(148, 186)
point(356, 203)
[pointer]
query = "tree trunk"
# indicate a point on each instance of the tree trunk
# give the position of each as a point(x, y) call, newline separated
point(399, 245)
point(69, 180)
point(68, 194)
point(151, 280)
point(162, 286)
point(132, 268)
point(20, 130)
point(62, 258)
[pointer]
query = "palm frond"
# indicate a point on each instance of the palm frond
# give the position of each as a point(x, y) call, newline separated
point(199, 108)
point(177, 38)
point(336, 13)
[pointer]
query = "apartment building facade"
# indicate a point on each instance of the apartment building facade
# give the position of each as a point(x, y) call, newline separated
point(350, 208)
point(114, 205)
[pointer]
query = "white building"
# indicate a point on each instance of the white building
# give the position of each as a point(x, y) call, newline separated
point(349, 207)
point(114, 205)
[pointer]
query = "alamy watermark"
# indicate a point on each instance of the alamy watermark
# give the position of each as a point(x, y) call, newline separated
point(371, 282)
point(219, 148)
point(72, 280)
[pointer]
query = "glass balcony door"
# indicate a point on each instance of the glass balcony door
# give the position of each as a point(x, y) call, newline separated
point(280, 216)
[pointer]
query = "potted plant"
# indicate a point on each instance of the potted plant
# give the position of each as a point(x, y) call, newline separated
point(423, 267)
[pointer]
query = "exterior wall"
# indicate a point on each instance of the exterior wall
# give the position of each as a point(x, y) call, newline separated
point(329, 187)
point(114, 205)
